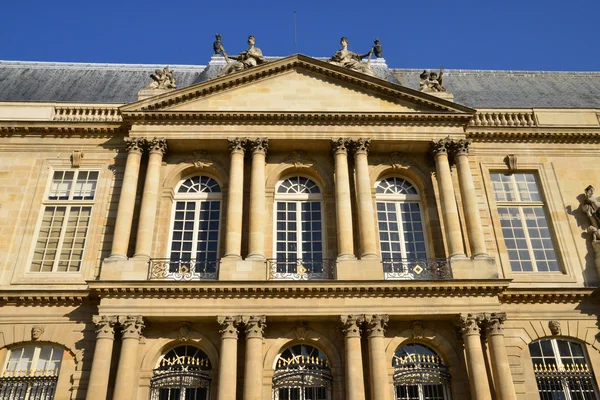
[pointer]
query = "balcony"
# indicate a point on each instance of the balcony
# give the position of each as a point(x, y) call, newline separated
point(28, 384)
point(182, 270)
point(301, 269)
point(417, 269)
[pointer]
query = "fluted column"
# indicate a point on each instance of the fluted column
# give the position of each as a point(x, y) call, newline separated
point(478, 380)
point(143, 246)
point(235, 203)
point(355, 385)
point(228, 363)
point(127, 198)
point(366, 215)
point(503, 383)
point(343, 208)
point(105, 337)
point(132, 327)
point(256, 247)
point(380, 385)
point(440, 151)
point(253, 372)
point(469, 198)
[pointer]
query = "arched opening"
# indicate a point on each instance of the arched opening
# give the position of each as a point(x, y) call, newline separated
point(183, 373)
point(31, 372)
point(420, 374)
point(562, 370)
point(302, 373)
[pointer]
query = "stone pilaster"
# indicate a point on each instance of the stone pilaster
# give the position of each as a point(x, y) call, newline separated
point(470, 331)
point(355, 386)
point(132, 327)
point(233, 229)
point(228, 364)
point(100, 372)
point(255, 328)
point(343, 206)
point(256, 245)
point(454, 238)
point(157, 149)
point(503, 383)
point(366, 214)
point(376, 325)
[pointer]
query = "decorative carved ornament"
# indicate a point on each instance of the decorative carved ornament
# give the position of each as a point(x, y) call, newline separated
point(301, 331)
point(157, 145)
point(259, 145)
point(362, 145)
point(300, 159)
point(340, 145)
point(229, 326)
point(376, 324)
point(468, 324)
point(494, 323)
point(351, 324)
point(105, 325)
point(554, 327)
point(135, 145)
point(417, 330)
point(442, 146)
point(131, 326)
point(461, 147)
point(37, 331)
point(255, 325)
point(76, 158)
point(511, 162)
point(184, 331)
point(237, 145)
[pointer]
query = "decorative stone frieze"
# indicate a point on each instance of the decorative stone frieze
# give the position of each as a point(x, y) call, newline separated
point(135, 145)
point(131, 326)
point(229, 326)
point(37, 331)
point(340, 145)
point(237, 145)
point(554, 327)
point(156, 145)
point(351, 324)
point(258, 145)
point(361, 145)
point(494, 323)
point(255, 325)
point(376, 324)
point(105, 326)
point(468, 324)
point(442, 146)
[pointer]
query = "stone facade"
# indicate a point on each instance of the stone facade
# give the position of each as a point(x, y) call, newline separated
point(119, 310)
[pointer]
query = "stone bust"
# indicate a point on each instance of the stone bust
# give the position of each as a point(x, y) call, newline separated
point(36, 332)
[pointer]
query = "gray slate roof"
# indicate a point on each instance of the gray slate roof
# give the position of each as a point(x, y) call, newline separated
point(120, 83)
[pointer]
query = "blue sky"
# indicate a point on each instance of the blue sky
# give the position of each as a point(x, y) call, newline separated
point(553, 35)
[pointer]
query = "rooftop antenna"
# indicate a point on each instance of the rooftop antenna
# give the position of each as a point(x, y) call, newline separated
point(295, 32)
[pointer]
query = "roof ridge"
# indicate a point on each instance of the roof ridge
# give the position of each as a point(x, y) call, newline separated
point(499, 71)
point(87, 65)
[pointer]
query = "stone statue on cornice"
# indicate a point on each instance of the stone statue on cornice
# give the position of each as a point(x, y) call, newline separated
point(348, 59)
point(591, 208)
point(432, 82)
point(246, 59)
point(163, 79)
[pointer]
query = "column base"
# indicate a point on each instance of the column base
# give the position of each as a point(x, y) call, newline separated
point(115, 257)
point(369, 256)
point(256, 257)
point(346, 257)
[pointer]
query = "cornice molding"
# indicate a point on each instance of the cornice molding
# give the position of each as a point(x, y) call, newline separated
point(546, 295)
point(529, 135)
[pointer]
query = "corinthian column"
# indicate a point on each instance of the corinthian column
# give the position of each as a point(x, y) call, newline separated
point(132, 327)
point(256, 247)
point(127, 198)
point(366, 215)
point(503, 383)
point(253, 372)
point(343, 208)
point(233, 234)
point(143, 245)
point(469, 199)
point(380, 385)
point(105, 337)
point(228, 363)
point(469, 327)
point(440, 151)
point(355, 386)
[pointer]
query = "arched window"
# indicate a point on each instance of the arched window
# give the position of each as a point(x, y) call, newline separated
point(401, 232)
point(420, 374)
point(562, 370)
point(299, 231)
point(31, 372)
point(302, 373)
point(181, 374)
point(195, 232)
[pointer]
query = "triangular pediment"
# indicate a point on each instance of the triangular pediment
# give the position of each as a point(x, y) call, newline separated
point(297, 84)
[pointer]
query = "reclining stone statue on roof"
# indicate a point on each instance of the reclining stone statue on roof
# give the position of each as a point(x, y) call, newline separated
point(431, 82)
point(246, 59)
point(163, 79)
point(348, 59)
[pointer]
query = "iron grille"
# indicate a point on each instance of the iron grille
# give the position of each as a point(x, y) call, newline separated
point(416, 369)
point(417, 269)
point(301, 269)
point(182, 270)
point(181, 378)
point(28, 387)
point(575, 379)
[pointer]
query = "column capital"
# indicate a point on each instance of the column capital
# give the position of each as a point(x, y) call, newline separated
point(351, 324)
point(494, 323)
point(237, 145)
point(135, 145)
point(468, 324)
point(229, 326)
point(340, 145)
point(105, 326)
point(157, 145)
point(131, 326)
point(461, 147)
point(255, 325)
point(258, 145)
point(376, 324)
point(442, 146)
point(360, 145)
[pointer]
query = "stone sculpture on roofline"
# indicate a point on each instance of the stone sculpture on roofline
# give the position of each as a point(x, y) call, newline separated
point(163, 79)
point(348, 59)
point(432, 82)
point(244, 60)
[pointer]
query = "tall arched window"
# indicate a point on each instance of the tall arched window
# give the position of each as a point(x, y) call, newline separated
point(420, 374)
point(182, 374)
point(195, 232)
point(302, 373)
point(299, 231)
point(31, 372)
point(562, 370)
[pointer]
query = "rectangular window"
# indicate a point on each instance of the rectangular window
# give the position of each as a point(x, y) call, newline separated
point(524, 223)
point(65, 222)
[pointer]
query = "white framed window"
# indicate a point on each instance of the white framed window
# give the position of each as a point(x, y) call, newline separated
point(299, 229)
point(525, 225)
point(65, 221)
point(302, 372)
point(562, 370)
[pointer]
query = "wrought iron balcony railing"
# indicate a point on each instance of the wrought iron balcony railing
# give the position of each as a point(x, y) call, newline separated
point(418, 368)
point(301, 269)
point(27, 386)
point(417, 269)
point(183, 270)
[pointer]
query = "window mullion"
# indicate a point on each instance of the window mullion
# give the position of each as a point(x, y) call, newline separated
point(61, 238)
point(400, 221)
point(299, 229)
point(527, 238)
point(195, 229)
